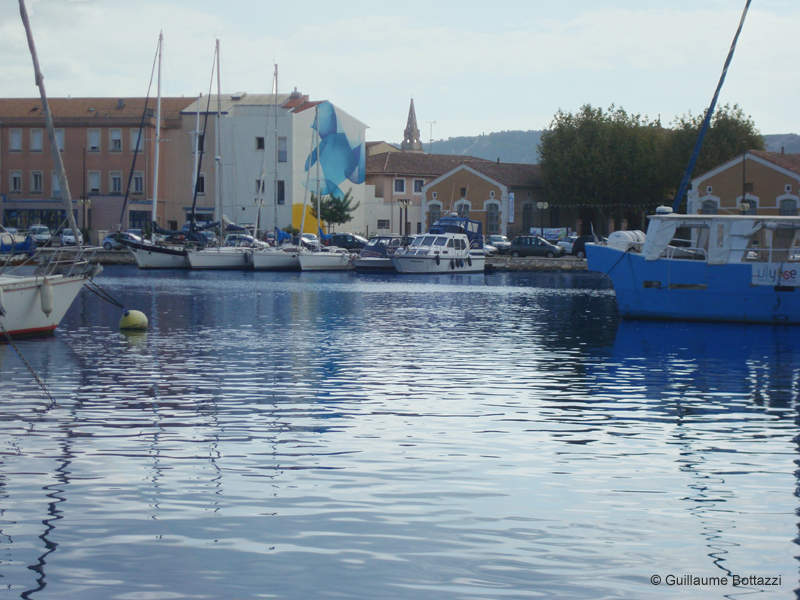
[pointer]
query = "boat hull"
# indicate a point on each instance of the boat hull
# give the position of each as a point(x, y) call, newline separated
point(275, 260)
point(150, 256)
point(374, 265)
point(325, 261)
point(409, 263)
point(22, 299)
point(691, 290)
point(220, 258)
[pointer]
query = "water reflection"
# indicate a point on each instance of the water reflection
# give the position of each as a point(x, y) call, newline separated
point(489, 436)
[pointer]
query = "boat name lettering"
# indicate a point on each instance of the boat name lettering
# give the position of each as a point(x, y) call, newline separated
point(774, 274)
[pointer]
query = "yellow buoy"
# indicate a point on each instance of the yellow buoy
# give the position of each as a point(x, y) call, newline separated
point(133, 320)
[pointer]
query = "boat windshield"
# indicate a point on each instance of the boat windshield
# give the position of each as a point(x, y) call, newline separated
point(426, 240)
point(440, 241)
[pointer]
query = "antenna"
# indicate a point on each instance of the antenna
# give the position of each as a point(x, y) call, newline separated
point(430, 145)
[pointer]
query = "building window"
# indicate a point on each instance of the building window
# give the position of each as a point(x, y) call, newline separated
point(201, 142)
point(463, 192)
point(400, 186)
point(36, 140)
point(418, 183)
point(462, 208)
point(492, 219)
point(201, 184)
point(281, 192)
point(259, 186)
point(259, 143)
point(115, 140)
point(116, 182)
point(527, 217)
point(383, 224)
point(94, 182)
point(173, 225)
point(139, 219)
point(16, 181)
point(60, 139)
point(283, 154)
point(709, 207)
point(55, 185)
point(433, 195)
point(138, 183)
point(94, 140)
point(36, 182)
point(434, 213)
point(752, 205)
point(788, 207)
point(15, 140)
point(137, 141)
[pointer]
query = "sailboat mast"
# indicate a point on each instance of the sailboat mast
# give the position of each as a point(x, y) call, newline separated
point(157, 142)
point(66, 197)
point(275, 186)
point(217, 153)
point(319, 214)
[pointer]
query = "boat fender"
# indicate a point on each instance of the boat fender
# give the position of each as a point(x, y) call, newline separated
point(46, 296)
point(452, 264)
point(469, 261)
point(133, 320)
point(2, 308)
point(438, 260)
point(460, 263)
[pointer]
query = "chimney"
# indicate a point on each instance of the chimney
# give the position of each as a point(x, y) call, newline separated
point(121, 103)
point(498, 160)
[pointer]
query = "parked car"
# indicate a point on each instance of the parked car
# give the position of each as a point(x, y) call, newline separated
point(68, 238)
point(12, 230)
point(348, 241)
point(40, 233)
point(533, 245)
point(579, 246)
point(500, 242)
point(111, 241)
point(490, 250)
point(566, 243)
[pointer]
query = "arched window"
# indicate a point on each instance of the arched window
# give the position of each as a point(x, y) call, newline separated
point(752, 206)
point(462, 208)
point(709, 207)
point(789, 207)
point(434, 213)
point(527, 217)
point(492, 219)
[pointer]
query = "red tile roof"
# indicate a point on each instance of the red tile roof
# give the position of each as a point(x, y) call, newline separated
point(790, 162)
point(416, 163)
point(511, 174)
point(65, 108)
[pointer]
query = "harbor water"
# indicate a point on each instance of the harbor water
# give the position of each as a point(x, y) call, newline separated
point(313, 435)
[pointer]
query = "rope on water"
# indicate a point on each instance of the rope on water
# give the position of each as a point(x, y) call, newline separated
point(603, 278)
point(22, 358)
point(101, 293)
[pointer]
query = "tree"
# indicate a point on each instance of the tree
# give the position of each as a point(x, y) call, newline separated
point(730, 133)
point(608, 159)
point(334, 211)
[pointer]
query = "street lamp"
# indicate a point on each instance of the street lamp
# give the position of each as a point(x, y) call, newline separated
point(86, 204)
point(542, 206)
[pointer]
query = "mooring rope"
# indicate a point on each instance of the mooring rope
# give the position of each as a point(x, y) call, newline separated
point(101, 293)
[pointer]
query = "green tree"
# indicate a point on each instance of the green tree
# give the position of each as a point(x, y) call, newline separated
point(334, 211)
point(607, 159)
point(730, 133)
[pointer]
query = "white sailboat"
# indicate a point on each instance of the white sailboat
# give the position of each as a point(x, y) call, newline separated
point(157, 256)
point(219, 257)
point(34, 304)
point(327, 259)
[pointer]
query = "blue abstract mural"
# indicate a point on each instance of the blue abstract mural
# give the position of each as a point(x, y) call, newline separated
point(341, 158)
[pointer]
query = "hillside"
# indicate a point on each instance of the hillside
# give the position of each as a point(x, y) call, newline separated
point(522, 146)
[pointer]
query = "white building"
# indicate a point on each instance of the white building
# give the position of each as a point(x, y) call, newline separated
point(269, 139)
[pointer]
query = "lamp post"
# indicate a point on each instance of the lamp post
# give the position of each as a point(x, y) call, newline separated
point(542, 206)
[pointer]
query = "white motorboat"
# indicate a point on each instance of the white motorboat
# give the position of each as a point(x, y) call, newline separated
point(452, 245)
point(376, 256)
point(329, 259)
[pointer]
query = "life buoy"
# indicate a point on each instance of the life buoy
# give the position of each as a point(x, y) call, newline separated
point(438, 260)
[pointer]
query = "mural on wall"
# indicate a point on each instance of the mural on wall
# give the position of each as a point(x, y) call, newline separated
point(341, 157)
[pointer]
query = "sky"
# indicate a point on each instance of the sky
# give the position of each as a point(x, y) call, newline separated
point(471, 67)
